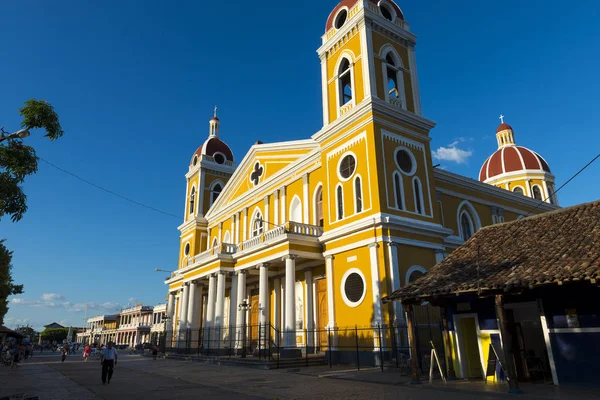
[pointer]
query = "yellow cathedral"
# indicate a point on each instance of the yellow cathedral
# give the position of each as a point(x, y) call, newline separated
point(309, 235)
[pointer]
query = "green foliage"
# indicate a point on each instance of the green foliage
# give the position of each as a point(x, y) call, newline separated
point(40, 114)
point(26, 331)
point(56, 334)
point(17, 161)
point(7, 288)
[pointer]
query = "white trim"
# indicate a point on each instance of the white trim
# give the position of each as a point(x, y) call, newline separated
point(574, 330)
point(339, 217)
point(520, 187)
point(193, 191)
point(339, 164)
point(186, 245)
point(255, 215)
point(315, 202)
point(472, 214)
point(412, 269)
point(296, 199)
point(362, 201)
point(211, 190)
point(345, 55)
point(305, 199)
point(337, 14)
point(399, 68)
point(412, 60)
point(401, 191)
point(412, 159)
point(546, 334)
point(542, 191)
point(416, 180)
point(394, 239)
point(471, 225)
point(227, 237)
point(324, 91)
point(389, 7)
point(348, 302)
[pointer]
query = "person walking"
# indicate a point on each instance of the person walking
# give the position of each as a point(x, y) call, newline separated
point(86, 352)
point(108, 359)
point(64, 350)
point(154, 351)
point(15, 353)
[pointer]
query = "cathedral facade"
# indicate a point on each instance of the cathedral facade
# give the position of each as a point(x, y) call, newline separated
point(311, 234)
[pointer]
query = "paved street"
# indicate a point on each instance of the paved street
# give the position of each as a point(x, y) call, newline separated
point(142, 378)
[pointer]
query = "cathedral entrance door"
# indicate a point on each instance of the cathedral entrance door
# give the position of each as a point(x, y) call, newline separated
point(323, 313)
point(254, 300)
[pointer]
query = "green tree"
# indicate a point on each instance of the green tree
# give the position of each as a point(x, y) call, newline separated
point(56, 334)
point(7, 287)
point(17, 161)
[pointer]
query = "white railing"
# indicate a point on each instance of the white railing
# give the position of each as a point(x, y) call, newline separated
point(396, 102)
point(305, 229)
point(250, 243)
point(225, 248)
point(203, 256)
point(275, 233)
point(211, 158)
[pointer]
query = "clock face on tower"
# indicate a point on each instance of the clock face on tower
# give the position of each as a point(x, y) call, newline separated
point(257, 173)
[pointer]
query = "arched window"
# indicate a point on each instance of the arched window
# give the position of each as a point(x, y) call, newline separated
point(340, 202)
point(398, 191)
point(215, 191)
point(466, 226)
point(415, 272)
point(394, 78)
point(257, 224)
point(518, 190)
point(319, 206)
point(227, 237)
point(192, 200)
point(215, 242)
point(358, 203)
point(345, 82)
point(296, 210)
point(418, 196)
point(537, 193)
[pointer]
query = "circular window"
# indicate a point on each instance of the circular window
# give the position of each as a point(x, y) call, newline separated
point(385, 11)
point(347, 166)
point(219, 158)
point(353, 287)
point(405, 161)
point(340, 19)
point(195, 160)
point(186, 250)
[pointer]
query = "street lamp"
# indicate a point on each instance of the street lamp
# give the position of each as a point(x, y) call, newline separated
point(244, 307)
point(20, 134)
point(164, 270)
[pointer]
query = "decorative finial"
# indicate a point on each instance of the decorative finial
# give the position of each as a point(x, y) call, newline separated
point(215, 111)
point(501, 117)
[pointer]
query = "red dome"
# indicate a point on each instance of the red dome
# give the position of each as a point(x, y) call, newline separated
point(212, 146)
point(503, 127)
point(351, 3)
point(512, 159)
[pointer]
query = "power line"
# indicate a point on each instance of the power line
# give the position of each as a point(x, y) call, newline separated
point(563, 185)
point(108, 190)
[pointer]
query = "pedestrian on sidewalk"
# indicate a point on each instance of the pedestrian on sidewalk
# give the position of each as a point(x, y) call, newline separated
point(108, 359)
point(154, 351)
point(15, 353)
point(86, 352)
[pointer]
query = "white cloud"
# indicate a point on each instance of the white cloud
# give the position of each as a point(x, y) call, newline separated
point(453, 153)
point(54, 300)
point(52, 297)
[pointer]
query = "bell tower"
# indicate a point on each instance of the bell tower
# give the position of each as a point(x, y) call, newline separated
point(210, 168)
point(368, 56)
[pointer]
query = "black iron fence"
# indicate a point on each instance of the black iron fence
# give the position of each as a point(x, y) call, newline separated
point(378, 345)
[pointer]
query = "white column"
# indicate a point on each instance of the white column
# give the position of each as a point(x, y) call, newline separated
point(395, 279)
point(282, 190)
point(210, 308)
point(290, 300)
point(308, 307)
point(220, 236)
point(233, 302)
point(245, 226)
point(305, 214)
point(241, 296)
point(232, 231)
point(194, 311)
point(325, 97)
point(277, 302)
point(281, 326)
point(220, 308)
point(266, 214)
point(330, 297)
point(237, 228)
point(183, 309)
point(276, 207)
point(263, 293)
point(170, 314)
point(375, 287)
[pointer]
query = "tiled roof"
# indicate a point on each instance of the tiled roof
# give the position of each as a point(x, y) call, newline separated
point(551, 248)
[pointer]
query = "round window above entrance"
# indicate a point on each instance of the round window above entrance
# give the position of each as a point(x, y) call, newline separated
point(347, 167)
point(340, 20)
point(186, 250)
point(405, 161)
point(354, 287)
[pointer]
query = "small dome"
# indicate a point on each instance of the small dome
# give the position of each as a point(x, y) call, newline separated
point(214, 119)
point(511, 159)
point(351, 3)
point(213, 146)
point(504, 127)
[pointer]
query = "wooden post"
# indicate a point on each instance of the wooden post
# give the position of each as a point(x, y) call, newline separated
point(513, 384)
point(415, 379)
point(448, 346)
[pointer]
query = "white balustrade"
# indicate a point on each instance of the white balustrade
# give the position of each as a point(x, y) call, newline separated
point(305, 229)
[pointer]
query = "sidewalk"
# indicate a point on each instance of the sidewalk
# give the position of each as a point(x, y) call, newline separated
point(392, 376)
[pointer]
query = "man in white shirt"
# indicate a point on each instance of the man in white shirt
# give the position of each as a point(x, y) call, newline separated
point(108, 359)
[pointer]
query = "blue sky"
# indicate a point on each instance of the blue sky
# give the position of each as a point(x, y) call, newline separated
point(135, 83)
